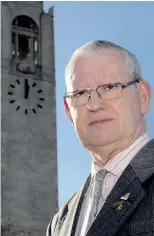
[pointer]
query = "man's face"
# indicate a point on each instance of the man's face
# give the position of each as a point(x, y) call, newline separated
point(101, 122)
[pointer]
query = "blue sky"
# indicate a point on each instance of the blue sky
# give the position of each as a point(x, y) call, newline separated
point(129, 24)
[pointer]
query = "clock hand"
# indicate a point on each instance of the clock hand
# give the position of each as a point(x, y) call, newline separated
point(26, 89)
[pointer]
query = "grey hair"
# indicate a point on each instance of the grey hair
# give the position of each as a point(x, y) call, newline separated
point(131, 61)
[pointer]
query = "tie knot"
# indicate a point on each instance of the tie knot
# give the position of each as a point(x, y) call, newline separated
point(100, 175)
point(98, 181)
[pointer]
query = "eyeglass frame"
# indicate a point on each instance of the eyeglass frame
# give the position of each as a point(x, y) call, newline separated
point(125, 85)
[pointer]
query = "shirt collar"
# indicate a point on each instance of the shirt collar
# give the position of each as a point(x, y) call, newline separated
point(118, 163)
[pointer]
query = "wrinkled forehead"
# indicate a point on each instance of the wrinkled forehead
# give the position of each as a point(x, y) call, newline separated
point(96, 67)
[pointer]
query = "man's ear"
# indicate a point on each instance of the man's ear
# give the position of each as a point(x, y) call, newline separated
point(145, 96)
point(67, 110)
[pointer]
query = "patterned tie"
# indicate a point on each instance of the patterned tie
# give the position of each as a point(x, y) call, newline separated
point(96, 195)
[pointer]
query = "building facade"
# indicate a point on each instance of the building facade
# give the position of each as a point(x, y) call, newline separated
point(28, 118)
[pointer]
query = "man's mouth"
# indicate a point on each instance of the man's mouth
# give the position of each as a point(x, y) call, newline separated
point(102, 121)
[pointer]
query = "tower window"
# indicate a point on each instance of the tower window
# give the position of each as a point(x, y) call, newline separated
point(24, 39)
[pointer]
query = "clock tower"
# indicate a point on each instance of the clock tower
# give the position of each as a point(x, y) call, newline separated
point(28, 108)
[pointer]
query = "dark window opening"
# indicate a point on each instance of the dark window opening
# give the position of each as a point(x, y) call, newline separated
point(23, 47)
point(13, 45)
point(24, 22)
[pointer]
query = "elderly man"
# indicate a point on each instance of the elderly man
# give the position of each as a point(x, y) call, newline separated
point(106, 102)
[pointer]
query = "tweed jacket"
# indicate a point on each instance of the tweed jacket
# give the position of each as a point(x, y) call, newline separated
point(118, 217)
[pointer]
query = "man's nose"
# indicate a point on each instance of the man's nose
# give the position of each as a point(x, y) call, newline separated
point(95, 102)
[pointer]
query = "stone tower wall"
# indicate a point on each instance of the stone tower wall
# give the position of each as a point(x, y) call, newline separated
point(29, 144)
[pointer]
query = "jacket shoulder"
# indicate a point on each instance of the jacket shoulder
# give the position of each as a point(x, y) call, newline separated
point(59, 216)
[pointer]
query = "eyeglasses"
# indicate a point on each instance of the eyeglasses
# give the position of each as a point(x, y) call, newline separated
point(107, 91)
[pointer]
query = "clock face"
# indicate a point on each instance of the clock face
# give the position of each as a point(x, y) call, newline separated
point(25, 95)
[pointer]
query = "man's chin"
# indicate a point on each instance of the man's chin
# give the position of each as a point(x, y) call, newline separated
point(99, 142)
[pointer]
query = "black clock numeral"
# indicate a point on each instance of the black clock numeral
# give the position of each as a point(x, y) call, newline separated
point(26, 111)
point(18, 108)
point(40, 91)
point(10, 93)
point(18, 82)
point(41, 99)
point(39, 106)
point(12, 101)
point(33, 85)
point(34, 111)
point(12, 86)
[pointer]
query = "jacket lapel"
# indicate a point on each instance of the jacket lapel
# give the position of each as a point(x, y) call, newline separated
point(79, 205)
point(68, 223)
point(116, 211)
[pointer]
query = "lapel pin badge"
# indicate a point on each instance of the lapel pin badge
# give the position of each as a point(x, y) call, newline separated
point(125, 197)
point(119, 205)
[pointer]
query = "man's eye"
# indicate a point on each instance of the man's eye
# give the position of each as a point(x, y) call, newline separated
point(109, 86)
point(80, 93)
